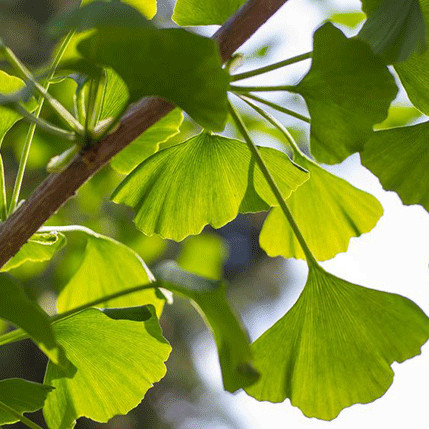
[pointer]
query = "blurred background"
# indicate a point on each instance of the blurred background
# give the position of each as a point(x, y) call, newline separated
point(393, 257)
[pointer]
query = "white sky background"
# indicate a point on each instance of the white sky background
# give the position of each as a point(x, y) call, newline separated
point(394, 257)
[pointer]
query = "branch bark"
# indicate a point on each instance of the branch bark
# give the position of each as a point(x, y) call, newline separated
point(58, 188)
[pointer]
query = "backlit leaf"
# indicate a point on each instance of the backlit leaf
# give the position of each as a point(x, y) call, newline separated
point(210, 300)
point(335, 346)
point(395, 29)
point(179, 190)
point(399, 116)
point(117, 362)
point(349, 19)
point(148, 142)
point(348, 90)
point(399, 157)
point(108, 267)
point(21, 395)
point(328, 210)
point(145, 7)
point(39, 248)
point(208, 12)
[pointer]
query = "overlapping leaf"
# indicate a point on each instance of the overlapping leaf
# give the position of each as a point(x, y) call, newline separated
point(335, 346)
point(399, 157)
point(208, 12)
point(21, 395)
point(210, 299)
point(17, 308)
point(348, 90)
point(108, 267)
point(179, 190)
point(148, 142)
point(395, 29)
point(117, 362)
point(328, 210)
point(39, 248)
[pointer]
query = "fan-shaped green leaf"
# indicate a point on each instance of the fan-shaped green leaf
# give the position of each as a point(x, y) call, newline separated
point(179, 190)
point(117, 362)
point(208, 12)
point(210, 299)
point(399, 157)
point(328, 210)
point(148, 143)
point(414, 73)
point(17, 308)
point(170, 63)
point(21, 395)
point(145, 7)
point(348, 90)
point(335, 346)
point(395, 29)
point(108, 267)
point(39, 248)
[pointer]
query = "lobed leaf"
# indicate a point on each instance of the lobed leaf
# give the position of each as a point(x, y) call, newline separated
point(117, 360)
point(347, 90)
point(108, 267)
point(209, 12)
point(21, 395)
point(40, 247)
point(335, 346)
point(210, 299)
point(395, 29)
point(179, 190)
point(329, 212)
point(399, 157)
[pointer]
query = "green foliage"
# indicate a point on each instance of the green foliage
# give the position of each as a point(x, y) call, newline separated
point(347, 90)
point(399, 157)
point(210, 299)
point(174, 196)
point(335, 346)
point(328, 210)
point(349, 19)
point(21, 395)
point(145, 7)
point(116, 358)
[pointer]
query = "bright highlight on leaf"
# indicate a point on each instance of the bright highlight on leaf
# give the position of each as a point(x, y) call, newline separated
point(145, 7)
point(348, 90)
point(335, 346)
point(16, 308)
point(328, 210)
point(147, 143)
point(108, 267)
point(170, 63)
point(21, 395)
point(210, 300)
point(117, 362)
point(207, 12)
point(179, 190)
point(399, 157)
point(40, 247)
point(395, 29)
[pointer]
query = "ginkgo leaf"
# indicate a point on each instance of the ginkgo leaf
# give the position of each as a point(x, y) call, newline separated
point(209, 12)
point(399, 157)
point(8, 117)
point(39, 248)
point(328, 210)
point(108, 267)
point(210, 300)
point(395, 29)
point(21, 395)
point(16, 308)
point(117, 362)
point(170, 63)
point(145, 7)
point(148, 142)
point(335, 346)
point(349, 19)
point(414, 73)
point(399, 116)
point(347, 90)
point(179, 190)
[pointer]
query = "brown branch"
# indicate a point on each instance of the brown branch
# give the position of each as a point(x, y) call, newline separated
point(58, 188)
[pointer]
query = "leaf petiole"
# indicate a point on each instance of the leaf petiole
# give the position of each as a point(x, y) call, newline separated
point(271, 67)
point(247, 89)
